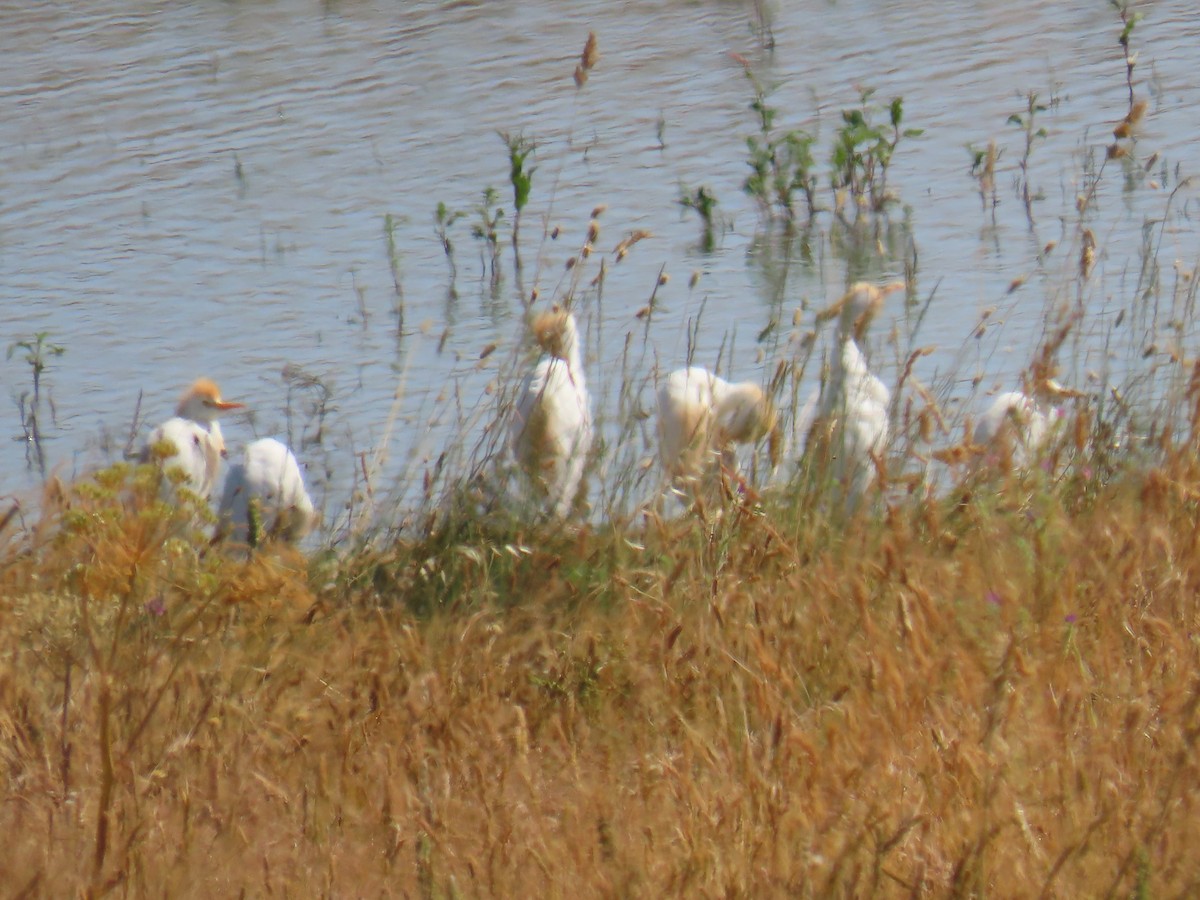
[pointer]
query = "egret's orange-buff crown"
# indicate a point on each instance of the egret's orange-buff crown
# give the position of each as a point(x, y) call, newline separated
point(550, 331)
point(206, 391)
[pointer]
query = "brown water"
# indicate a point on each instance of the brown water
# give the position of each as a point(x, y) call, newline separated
point(202, 188)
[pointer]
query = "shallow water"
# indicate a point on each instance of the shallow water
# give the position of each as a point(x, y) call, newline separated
point(201, 189)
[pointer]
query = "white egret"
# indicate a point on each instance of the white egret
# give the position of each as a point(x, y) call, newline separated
point(191, 441)
point(1015, 428)
point(551, 427)
point(701, 416)
point(268, 481)
point(851, 422)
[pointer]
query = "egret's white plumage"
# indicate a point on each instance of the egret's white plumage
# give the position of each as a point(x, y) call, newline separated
point(269, 480)
point(551, 427)
point(1016, 427)
point(191, 441)
point(851, 421)
point(701, 416)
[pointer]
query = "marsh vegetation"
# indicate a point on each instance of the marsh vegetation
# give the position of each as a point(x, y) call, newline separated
point(978, 678)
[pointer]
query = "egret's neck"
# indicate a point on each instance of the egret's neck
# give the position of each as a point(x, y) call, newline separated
point(215, 436)
point(570, 348)
point(849, 358)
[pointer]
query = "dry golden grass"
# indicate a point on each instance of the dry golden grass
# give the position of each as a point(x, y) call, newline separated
point(994, 696)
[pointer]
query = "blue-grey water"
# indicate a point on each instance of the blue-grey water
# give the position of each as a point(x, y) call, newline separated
point(201, 188)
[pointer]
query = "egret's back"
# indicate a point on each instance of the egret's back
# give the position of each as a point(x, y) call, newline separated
point(686, 417)
point(269, 480)
point(1014, 428)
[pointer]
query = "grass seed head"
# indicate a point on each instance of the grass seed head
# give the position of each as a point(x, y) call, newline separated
point(591, 52)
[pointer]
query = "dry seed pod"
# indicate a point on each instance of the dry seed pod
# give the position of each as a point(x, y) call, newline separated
point(623, 247)
point(1083, 427)
point(591, 52)
point(925, 426)
point(599, 210)
point(1087, 256)
point(987, 181)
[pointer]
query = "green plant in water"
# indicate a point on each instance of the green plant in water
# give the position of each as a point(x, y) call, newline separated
point(983, 170)
point(763, 24)
point(444, 219)
point(782, 165)
point(704, 202)
point(1027, 122)
point(38, 351)
point(389, 233)
point(486, 230)
point(862, 153)
point(1128, 23)
point(521, 178)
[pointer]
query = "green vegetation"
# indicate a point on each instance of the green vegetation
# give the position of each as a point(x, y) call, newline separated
point(486, 230)
point(444, 219)
point(862, 152)
point(393, 255)
point(521, 178)
point(37, 352)
point(704, 203)
point(782, 165)
point(1031, 132)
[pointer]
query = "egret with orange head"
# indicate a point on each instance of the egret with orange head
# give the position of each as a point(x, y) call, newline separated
point(191, 441)
point(550, 432)
point(701, 416)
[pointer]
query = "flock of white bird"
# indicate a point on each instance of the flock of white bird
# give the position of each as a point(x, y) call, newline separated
point(701, 419)
point(267, 486)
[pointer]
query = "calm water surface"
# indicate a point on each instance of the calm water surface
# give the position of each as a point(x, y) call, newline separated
point(201, 189)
